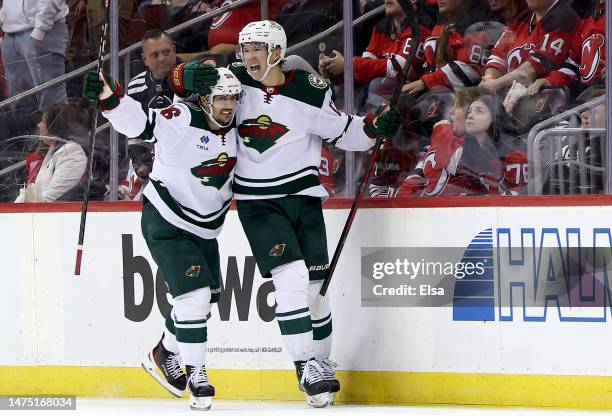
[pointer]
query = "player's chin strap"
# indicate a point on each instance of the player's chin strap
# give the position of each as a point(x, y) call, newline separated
point(212, 118)
point(270, 66)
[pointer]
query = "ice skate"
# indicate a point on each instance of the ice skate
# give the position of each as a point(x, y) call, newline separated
point(312, 382)
point(329, 374)
point(165, 367)
point(201, 391)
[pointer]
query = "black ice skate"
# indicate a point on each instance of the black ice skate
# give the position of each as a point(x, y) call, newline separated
point(329, 374)
point(201, 391)
point(312, 382)
point(165, 367)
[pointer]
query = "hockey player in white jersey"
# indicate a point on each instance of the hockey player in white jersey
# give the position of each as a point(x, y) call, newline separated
point(185, 204)
point(282, 118)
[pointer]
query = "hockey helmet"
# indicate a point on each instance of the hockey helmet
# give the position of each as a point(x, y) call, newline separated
point(264, 31)
point(228, 84)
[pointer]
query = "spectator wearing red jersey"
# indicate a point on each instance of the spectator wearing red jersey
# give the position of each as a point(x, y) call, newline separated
point(454, 51)
point(506, 11)
point(385, 56)
point(586, 63)
point(437, 166)
point(536, 43)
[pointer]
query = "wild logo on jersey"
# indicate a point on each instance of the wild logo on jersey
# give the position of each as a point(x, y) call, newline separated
point(215, 172)
point(261, 133)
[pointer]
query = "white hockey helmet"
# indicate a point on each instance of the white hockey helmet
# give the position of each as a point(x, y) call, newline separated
point(264, 31)
point(228, 84)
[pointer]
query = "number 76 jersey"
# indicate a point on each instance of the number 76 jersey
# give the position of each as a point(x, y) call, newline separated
point(545, 43)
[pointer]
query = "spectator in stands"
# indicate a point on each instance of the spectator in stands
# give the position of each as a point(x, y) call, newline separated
point(96, 13)
point(506, 11)
point(34, 48)
point(141, 164)
point(437, 172)
point(59, 163)
point(221, 36)
point(454, 51)
point(536, 43)
point(586, 63)
point(384, 58)
point(150, 87)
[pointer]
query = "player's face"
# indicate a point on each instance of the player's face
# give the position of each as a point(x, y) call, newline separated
point(478, 119)
point(449, 7)
point(255, 58)
point(457, 117)
point(224, 107)
point(159, 55)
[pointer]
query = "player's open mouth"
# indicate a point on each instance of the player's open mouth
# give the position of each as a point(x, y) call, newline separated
point(226, 112)
point(254, 68)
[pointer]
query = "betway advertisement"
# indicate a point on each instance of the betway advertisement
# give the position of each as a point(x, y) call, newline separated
point(485, 290)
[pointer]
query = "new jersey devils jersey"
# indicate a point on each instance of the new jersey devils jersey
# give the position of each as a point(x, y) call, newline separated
point(377, 60)
point(469, 49)
point(588, 55)
point(545, 43)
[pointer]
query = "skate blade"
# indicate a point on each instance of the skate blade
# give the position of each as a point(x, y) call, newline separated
point(200, 403)
point(150, 367)
point(318, 400)
point(332, 398)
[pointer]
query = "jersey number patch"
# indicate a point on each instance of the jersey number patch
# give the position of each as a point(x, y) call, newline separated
point(170, 112)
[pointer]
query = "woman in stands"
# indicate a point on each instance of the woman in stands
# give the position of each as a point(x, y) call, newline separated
point(456, 48)
point(59, 163)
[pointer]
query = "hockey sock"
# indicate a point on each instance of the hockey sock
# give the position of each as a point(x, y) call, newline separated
point(169, 339)
point(292, 312)
point(190, 312)
point(321, 323)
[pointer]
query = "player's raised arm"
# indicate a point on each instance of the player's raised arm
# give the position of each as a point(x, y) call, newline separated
point(352, 132)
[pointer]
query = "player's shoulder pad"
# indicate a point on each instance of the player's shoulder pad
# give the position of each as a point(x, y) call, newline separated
point(307, 87)
point(561, 17)
point(240, 71)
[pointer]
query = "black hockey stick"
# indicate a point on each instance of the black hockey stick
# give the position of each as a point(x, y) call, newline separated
point(92, 142)
point(415, 40)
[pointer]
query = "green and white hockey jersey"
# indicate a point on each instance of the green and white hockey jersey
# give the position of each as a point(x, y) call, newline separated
point(191, 181)
point(280, 131)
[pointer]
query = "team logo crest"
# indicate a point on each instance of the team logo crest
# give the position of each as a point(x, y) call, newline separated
point(215, 172)
point(193, 271)
point(591, 56)
point(278, 250)
point(261, 133)
point(317, 82)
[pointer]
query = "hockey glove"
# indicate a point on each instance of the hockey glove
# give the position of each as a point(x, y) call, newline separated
point(385, 125)
point(104, 88)
point(193, 77)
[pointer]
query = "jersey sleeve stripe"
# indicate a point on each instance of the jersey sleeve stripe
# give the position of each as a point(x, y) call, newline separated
point(134, 90)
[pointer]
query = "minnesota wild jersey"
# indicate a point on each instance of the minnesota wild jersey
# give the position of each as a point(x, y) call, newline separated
point(280, 131)
point(191, 181)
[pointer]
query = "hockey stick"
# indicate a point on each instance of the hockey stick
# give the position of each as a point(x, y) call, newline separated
point(415, 40)
point(92, 142)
